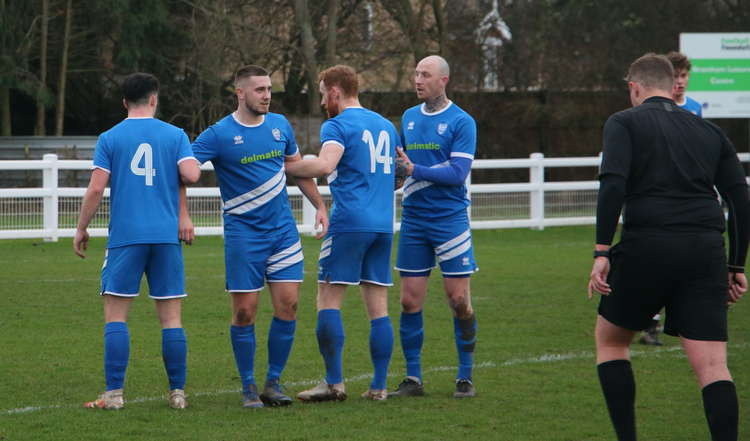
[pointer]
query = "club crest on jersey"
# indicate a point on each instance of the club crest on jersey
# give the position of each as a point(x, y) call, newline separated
point(441, 128)
point(276, 134)
point(465, 261)
point(238, 140)
point(410, 126)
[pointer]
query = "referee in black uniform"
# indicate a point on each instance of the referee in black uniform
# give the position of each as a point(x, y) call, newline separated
point(661, 164)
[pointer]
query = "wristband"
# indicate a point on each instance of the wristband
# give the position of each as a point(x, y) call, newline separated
point(601, 253)
point(736, 269)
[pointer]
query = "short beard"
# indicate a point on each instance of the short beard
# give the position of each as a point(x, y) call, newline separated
point(253, 111)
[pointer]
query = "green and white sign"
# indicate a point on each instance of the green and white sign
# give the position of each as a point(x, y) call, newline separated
point(720, 77)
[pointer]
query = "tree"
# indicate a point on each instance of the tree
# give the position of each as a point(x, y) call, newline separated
point(60, 111)
point(41, 93)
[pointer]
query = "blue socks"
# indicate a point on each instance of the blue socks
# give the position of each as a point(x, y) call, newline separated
point(280, 339)
point(243, 344)
point(174, 353)
point(330, 333)
point(466, 337)
point(116, 354)
point(411, 331)
point(381, 348)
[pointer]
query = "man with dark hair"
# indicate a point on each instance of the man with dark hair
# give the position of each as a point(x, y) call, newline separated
point(249, 150)
point(440, 141)
point(682, 66)
point(144, 160)
point(662, 164)
point(358, 147)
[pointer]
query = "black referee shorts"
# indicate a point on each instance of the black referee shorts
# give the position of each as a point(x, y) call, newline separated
point(684, 272)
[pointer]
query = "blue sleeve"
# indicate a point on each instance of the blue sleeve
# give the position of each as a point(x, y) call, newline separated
point(454, 174)
point(465, 141)
point(184, 150)
point(205, 147)
point(291, 146)
point(331, 131)
point(102, 158)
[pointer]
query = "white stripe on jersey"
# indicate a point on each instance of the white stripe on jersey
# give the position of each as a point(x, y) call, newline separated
point(411, 185)
point(453, 242)
point(464, 247)
point(332, 177)
point(257, 202)
point(462, 155)
point(252, 194)
point(283, 254)
point(324, 253)
point(289, 261)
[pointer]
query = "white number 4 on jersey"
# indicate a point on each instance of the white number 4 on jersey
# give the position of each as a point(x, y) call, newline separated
point(380, 153)
point(144, 151)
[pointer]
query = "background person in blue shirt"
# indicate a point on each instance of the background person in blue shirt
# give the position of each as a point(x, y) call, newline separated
point(143, 159)
point(682, 67)
point(249, 150)
point(356, 154)
point(439, 139)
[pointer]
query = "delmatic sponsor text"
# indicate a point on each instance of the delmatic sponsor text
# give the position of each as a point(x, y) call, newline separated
point(428, 146)
point(255, 157)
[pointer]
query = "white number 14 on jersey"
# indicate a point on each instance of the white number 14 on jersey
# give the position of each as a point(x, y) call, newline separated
point(380, 153)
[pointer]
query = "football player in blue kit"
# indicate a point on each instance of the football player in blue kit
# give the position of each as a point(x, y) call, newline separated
point(357, 156)
point(143, 159)
point(249, 150)
point(439, 139)
point(682, 67)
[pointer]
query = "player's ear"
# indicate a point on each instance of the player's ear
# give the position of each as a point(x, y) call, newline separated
point(125, 103)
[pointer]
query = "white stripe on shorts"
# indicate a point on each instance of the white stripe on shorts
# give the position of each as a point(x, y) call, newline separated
point(284, 253)
point(464, 247)
point(453, 242)
point(281, 264)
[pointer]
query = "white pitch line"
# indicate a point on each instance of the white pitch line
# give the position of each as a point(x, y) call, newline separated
point(544, 358)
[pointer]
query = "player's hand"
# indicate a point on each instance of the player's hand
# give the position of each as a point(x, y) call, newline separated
point(321, 223)
point(737, 287)
point(404, 167)
point(599, 272)
point(186, 229)
point(80, 243)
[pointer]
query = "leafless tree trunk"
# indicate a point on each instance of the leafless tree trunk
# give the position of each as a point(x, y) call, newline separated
point(63, 70)
point(411, 23)
point(302, 13)
point(437, 9)
point(39, 130)
point(333, 17)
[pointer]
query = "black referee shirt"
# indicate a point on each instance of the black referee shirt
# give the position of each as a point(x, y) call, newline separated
point(669, 161)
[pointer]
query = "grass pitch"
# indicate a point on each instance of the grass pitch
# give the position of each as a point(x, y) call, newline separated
point(535, 372)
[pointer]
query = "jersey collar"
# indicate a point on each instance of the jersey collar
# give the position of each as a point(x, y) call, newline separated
point(425, 112)
point(234, 117)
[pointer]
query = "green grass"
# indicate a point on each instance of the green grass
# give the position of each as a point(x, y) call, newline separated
point(531, 305)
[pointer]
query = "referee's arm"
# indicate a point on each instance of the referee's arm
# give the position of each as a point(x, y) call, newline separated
point(613, 176)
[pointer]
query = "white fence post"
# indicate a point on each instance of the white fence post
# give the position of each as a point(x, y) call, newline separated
point(50, 183)
point(536, 177)
point(308, 209)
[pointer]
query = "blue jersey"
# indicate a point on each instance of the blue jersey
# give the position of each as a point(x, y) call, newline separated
point(431, 140)
point(141, 156)
point(692, 106)
point(249, 164)
point(362, 184)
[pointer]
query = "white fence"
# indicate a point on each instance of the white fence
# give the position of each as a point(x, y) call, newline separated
point(51, 211)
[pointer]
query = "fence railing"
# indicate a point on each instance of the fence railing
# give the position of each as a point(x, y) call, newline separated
point(51, 211)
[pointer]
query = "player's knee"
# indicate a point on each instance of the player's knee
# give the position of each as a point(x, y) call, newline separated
point(244, 316)
point(287, 309)
point(410, 304)
point(460, 304)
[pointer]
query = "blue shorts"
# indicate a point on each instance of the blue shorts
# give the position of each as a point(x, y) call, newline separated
point(351, 258)
point(124, 267)
point(448, 239)
point(251, 259)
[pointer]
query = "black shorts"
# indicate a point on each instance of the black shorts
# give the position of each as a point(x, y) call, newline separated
point(684, 272)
